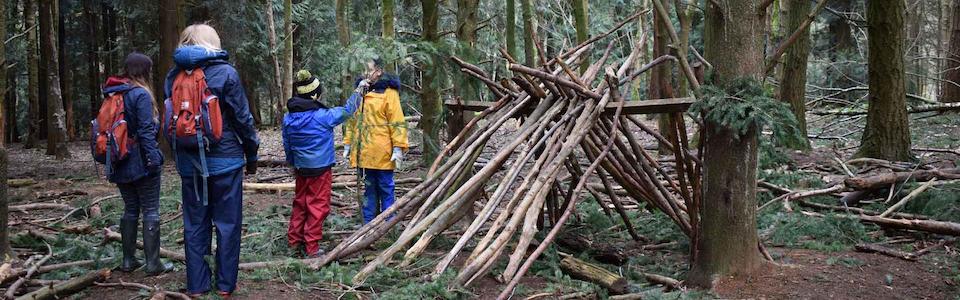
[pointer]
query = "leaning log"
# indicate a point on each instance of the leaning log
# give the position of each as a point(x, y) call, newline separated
point(290, 186)
point(585, 271)
point(885, 180)
point(68, 287)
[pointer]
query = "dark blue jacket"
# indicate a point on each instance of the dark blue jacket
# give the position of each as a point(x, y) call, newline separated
point(144, 157)
point(240, 143)
point(308, 133)
point(386, 81)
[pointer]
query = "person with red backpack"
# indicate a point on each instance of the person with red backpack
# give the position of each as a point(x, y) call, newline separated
point(208, 122)
point(124, 138)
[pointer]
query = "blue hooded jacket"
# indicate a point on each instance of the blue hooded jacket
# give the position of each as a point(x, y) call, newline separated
point(144, 157)
point(240, 143)
point(308, 133)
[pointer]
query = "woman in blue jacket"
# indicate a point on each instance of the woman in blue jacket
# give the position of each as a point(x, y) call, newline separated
point(138, 176)
point(308, 143)
point(213, 199)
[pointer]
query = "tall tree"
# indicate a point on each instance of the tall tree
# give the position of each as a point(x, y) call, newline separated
point(93, 62)
point(287, 53)
point(793, 82)
point(950, 92)
point(466, 87)
point(277, 87)
point(887, 134)
point(581, 12)
point(430, 91)
point(388, 31)
point(661, 77)
point(169, 17)
point(529, 26)
point(66, 73)
point(5, 250)
point(343, 36)
point(727, 241)
point(56, 123)
point(33, 77)
point(511, 30)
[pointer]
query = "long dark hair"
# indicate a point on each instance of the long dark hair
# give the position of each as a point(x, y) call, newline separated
point(139, 69)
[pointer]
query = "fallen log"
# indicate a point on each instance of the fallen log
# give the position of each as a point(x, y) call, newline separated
point(885, 180)
point(912, 110)
point(20, 182)
point(12, 290)
point(604, 253)
point(667, 282)
point(157, 292)
point(857, 210)
point(24, 208)
point(68, 287)
point(585, 271)
point(941, 227)
point(15, 273)
point(290, 186)
point(872, 248)
point(907, 198)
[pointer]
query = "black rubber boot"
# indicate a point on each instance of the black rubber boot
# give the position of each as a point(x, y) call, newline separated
point(128, 239)
point(151, 249)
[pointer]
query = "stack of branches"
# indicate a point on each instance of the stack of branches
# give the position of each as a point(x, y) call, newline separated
point(567, 115)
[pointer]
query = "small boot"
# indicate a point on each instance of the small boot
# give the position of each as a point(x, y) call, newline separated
point(151, 249)
point(128, 239)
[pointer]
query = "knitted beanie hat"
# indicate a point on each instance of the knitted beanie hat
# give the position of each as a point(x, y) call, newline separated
point(307, 86)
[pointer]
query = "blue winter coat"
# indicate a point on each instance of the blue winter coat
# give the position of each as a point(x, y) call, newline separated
point(144, 157)
point(240, 143)
point(308, 133)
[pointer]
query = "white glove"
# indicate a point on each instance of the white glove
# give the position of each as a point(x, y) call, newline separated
point(397, 155)
point(346, 151)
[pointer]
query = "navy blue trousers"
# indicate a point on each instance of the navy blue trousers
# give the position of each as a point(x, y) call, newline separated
point(224, 213)
point(141, 196)
point(378, 191)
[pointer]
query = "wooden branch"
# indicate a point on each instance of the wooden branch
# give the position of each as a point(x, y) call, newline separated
point(12, 290)
point(112, 236)
point(139, 286)
point(675, 39)
point(26, 208)
point(872, 248)
point(68, 287)
point(801, 30)
point(20, 182)
point(585, 271)
point(555, 79)
point(885, 180)
point(669, 283)
point(906, 199)
point(290, 186)
point(941, 227)
point(857, 210)
point(943, 107)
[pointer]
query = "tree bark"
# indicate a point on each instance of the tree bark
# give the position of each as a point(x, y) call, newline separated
point(169, 37)
point(529, 27)
point(727, 238)
point(66, 78)
point(343, 36)
point(93, 64)
point(277, 86)
point(887, 134)
point(950, 92)
point(287, 56)
point(581, 11)
point(12, 134)
point(511, 27)
point(57, 127)
point(467, 88)
point(660, 86)
point(430, 86)
point(793, 82)
point(5, 250)
point(33, 70)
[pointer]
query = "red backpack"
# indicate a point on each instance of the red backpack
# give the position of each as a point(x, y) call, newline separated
point(109, 141)
point(192, 118)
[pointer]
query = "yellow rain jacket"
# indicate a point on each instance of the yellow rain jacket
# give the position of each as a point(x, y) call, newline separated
point(376, 128)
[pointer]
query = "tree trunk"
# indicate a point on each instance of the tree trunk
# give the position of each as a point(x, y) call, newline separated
point(5, 250)
point(277, 86)
point(287, 55)
point(169, 37)
point(430, 86)
point(343, 36)
point(511, 30)
point(66, 78)
point(93, 63)
point(914, 24)
point(388, 31)
point(727, 241)
point(33, 70)
point(467, 88)
point(951, 74)
point(660, 86)
point(12, 134)
point(56, 123)
point(841, 36)
point(793, 83)
point(529, 26)
point(581, 12)
point(887, 135)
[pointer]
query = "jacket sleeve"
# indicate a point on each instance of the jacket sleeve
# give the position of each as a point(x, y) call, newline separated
point(286, 146)
point(398, 123)
point(147, 128)
point(338, 115)
point(236, 99)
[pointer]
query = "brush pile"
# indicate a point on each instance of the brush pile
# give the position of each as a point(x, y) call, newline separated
point(566, 124)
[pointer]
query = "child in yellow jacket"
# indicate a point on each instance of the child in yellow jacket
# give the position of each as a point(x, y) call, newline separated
point(378, 132)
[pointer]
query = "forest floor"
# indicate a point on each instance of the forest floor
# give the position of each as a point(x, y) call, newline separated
point(814, 255)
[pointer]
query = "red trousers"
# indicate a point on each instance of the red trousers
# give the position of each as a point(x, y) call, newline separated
point(311, 205)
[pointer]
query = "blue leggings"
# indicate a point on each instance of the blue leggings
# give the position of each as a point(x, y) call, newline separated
point(141, 196)
point(378, 191)
point(223, 213)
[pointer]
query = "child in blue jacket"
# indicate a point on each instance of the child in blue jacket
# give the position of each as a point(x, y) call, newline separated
point(308, 141)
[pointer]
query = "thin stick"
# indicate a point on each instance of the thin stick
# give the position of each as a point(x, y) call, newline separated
point(906, 199)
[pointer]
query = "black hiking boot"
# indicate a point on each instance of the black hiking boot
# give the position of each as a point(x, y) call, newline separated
point(128, 241)
point(151, 249)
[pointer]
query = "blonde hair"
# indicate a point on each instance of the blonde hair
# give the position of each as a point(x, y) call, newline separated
point(202, 35)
